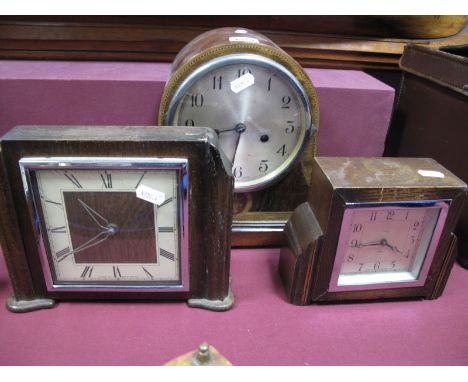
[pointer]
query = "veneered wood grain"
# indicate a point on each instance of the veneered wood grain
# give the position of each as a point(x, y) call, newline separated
point(209, 193)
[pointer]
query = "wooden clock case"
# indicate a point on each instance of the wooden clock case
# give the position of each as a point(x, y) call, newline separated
point(311, 235)
point(209, 211)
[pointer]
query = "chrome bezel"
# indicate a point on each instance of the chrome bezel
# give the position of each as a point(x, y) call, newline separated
point(180, 165)
point(173, 110)
point(380, 280)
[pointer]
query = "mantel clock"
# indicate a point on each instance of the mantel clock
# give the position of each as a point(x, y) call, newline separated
point(103, 212)
point(372, 228)
point(264, 109)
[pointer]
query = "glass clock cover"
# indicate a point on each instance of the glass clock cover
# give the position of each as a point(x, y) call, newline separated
point(387, 246)
point(262, 116)
point(110, 222)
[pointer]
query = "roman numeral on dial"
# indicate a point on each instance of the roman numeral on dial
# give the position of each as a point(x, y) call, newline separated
point(87, 272)
point(165, 229)
point(63, 254)
point(106, 179)
point(73, 179)
point(167, 254)
point(58, 230)
point(117, 273)
point(148, 273)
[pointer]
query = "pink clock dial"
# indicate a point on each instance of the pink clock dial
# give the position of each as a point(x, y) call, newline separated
point(385, 246)
point(383, 240)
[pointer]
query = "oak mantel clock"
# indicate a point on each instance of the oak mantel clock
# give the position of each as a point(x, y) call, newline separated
point(107, 212)
point(265, 112)
point(372, 228)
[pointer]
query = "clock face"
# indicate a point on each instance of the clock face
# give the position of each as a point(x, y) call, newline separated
point(111, 226)
point(386, 246)
point(258, 109)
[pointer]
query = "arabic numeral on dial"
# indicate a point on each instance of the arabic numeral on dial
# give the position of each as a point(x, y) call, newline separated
point(197, 100)
point(237, 172)
point(357, 227)
point(286, 100)
point(354, 243)
point(377, 266)
point(361, 265)
point(282, 150)
point(189, 122)
point(416, 226)
point(350, 258)
point(390, 215)
point(263, 165)
point(373, 216)
point(290, 128)
point(241, 72)
point(217, 82)
point(269, 84)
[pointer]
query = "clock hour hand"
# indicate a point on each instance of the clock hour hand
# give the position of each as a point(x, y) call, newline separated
point(98, 218)
point(394, 248)
point(95, 240)
point(239, 128)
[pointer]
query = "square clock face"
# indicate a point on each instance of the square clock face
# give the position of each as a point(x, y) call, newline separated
point(110, 223)
point(385, 245)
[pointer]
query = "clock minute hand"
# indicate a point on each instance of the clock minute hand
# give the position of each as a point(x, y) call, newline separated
point(240, 128)
point(94, 215)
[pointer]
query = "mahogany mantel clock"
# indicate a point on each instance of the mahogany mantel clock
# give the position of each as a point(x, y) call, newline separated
point(372, 228)
point(265, 112)
point(115, 212)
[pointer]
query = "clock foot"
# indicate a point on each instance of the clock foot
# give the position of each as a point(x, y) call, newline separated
point(20, 306)
point(216, 305)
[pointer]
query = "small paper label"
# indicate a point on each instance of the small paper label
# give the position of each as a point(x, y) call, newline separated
point(243, 39)
point(243, 82)
point(150, 195)
point(430, 173)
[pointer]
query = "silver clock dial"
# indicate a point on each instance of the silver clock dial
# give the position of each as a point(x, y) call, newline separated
point(258, 110)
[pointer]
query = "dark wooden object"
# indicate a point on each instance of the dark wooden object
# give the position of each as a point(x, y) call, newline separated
point(312, 233)
point(326, 41)
point(259, 215)
point(210, 203)
point(430, 117)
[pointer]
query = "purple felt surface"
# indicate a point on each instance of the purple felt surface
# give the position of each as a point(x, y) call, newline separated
point(355, 108)
point(261, 329)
